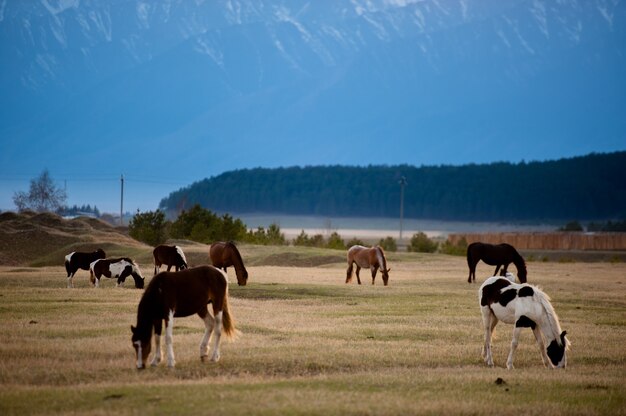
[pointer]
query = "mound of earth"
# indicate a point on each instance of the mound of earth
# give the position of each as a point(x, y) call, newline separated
point(291, 259)
point(28, 236)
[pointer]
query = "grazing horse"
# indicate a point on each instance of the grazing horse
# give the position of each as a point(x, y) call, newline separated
point(115, 268)
point(169, 255)
point(495, 255)
point(525, 306)
point(180, 294)
point(372, 258)
point(77, 260)
point(226, 254)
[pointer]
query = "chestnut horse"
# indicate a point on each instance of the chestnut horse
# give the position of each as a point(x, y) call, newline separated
point(170, 256)
point(226, 254)
point(495, 255)
point(181, 294)
point(372, 258)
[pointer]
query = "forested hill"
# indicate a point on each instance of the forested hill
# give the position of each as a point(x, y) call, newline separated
point(586, 187)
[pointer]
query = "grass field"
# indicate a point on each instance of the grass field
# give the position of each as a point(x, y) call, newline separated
point(311, 344)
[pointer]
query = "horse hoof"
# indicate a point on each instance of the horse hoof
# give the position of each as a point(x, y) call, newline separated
point(204, 358)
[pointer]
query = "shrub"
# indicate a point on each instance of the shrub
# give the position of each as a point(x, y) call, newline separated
point(458, 249)
point(335, 242)
point(572, 226)
point(388, 244)
point(420, 243)
point(271, 236)
point(355, 242)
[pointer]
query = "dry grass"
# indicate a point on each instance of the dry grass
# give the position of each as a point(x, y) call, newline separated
point(314, 345)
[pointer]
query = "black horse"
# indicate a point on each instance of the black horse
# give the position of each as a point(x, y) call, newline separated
point(495, 255)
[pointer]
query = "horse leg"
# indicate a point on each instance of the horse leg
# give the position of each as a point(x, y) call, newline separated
point(472, 271)
point(169, 267)
point(542, 347)
point(122, 277)
point(217, 330)
point(514, 342)
point(209, 324)
point(158, 325)
point(374, 271)
point(358, 278)
point(489, 323)
point(504, 269)
point(496, 272)
point(169, 337)
point(70, 280)
point(349, 272)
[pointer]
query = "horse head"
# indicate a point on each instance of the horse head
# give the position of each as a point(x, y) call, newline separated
point(242, 277)
point(557, 351)
point(385, 275)
point(142, 347)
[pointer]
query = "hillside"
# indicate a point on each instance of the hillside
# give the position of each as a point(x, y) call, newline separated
point(42, 239)
point(585, 188)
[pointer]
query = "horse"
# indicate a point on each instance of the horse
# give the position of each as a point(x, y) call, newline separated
point(119, 268)
point(495, 255)
point(169, 255)
point(226, 254)
point(179, 294)
point(525, 306)
point(372, 258)
point(78, 260)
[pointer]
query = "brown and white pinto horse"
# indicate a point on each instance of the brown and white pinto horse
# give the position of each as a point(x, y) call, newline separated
point(78, 260)
point(223, 255)
point(372, 258)
point(180, 294)
point(119, 268)
point(170, 256)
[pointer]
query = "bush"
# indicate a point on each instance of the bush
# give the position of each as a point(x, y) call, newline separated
point(200, 224)
point(355, 242)
point(572, 226)
point(458, 249)
point(388, 244)
point(149, 227)
point(271, 236)
point(335, 242)
point(420, 243)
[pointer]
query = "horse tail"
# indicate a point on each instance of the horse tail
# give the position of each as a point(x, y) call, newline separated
point(228, 322)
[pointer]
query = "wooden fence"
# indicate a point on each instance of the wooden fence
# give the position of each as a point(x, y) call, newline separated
point(548, 241)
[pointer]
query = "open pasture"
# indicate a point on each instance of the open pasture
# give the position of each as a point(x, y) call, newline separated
point(311, 344)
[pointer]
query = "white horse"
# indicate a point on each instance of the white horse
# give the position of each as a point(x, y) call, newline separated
point(525, 306)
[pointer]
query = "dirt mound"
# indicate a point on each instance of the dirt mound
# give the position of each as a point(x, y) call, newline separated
point(27, 237)
point(298, 260)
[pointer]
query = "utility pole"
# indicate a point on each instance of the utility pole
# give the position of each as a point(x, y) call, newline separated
point(122, 202)
point(402, 183)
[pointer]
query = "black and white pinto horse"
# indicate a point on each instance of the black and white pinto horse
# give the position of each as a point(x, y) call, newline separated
point(524, 306)
point(78, 260)
point(118, 269)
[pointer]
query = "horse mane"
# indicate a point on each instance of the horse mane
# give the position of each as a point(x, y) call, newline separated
point(236, 251)
point(180, 253)
point(553, 320)
point(381, 257)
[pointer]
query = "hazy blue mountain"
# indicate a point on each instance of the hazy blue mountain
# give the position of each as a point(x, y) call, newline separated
point(166, 86)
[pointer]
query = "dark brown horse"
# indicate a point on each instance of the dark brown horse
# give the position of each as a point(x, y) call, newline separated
point(372, 258)
point(495, 255)
point(179, 294)
point(224, 255)
point(170, 256)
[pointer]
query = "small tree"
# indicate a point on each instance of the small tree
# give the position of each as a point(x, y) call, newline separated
point(458, 249)
point(149, 227)
point(420, 243)
point(335, 242)
point(43, 195)
point(572, 226)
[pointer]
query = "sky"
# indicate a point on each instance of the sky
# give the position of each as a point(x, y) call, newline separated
point(167, 96)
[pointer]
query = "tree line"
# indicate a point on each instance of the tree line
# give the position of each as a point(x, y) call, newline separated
point(587, 187)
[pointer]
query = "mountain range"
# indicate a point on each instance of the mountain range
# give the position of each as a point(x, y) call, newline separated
point(188, 89)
